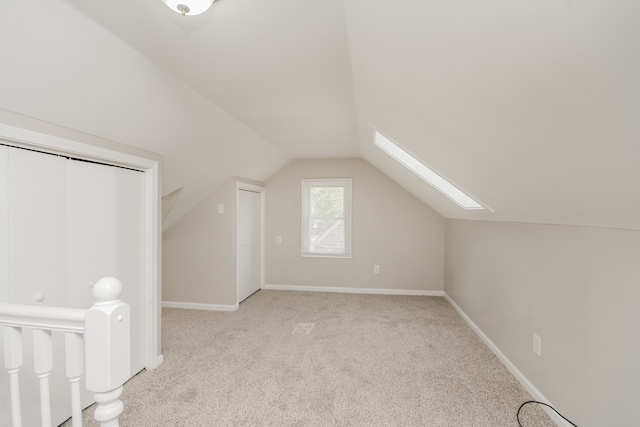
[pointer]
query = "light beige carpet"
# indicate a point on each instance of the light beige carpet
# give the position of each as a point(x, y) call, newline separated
point(368, 360)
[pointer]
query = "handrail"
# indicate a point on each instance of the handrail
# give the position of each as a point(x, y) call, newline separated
point(99, 346)
point(39, 317)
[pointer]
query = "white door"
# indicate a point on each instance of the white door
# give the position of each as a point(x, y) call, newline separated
point(69, 224)
point(249, 243)
point(36, 264)
point(105, 236)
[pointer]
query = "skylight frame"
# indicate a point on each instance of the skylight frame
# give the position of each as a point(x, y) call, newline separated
point(427, 174)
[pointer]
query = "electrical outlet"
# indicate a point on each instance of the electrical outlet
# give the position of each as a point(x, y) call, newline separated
point(220, 208)
point(376, 269)
point(537, 345)
point(278, 239)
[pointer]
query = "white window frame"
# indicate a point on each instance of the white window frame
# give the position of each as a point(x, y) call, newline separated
point(307, 184)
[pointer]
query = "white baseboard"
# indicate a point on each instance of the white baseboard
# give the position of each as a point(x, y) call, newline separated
point(198, 306)
point(528, 385)
point(354, 290)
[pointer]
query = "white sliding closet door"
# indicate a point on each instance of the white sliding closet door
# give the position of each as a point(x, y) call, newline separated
point(69, 224)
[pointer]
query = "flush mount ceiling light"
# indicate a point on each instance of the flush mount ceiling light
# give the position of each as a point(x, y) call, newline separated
point(189, 7)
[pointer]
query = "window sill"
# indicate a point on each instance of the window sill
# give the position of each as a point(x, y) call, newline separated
point(324, 255)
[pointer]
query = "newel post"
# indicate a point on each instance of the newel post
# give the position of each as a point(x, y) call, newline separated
point(107, 350)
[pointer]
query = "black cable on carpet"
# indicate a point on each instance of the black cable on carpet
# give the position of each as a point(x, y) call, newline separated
point(541, 403)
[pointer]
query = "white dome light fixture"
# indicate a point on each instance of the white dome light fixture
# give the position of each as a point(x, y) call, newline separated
point(189, 7)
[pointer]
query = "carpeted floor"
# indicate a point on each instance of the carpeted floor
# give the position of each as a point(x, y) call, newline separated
point(368, 360)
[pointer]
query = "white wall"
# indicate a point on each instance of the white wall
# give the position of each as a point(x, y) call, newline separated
point(63, 68)
point(390, 227)
point(577, 288)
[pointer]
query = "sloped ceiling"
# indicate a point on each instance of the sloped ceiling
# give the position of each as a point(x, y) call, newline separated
point(529, 106)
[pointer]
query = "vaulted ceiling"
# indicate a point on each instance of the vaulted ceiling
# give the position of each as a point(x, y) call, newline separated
point(529, 106)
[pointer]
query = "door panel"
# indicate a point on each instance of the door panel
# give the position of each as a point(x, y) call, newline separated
point(91, 228)
point(91, 233)
point(37, 227)
point(249, 243)
point(37, 250)
point(129, 251)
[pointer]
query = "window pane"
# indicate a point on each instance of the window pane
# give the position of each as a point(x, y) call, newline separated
point(326, 218)
point(326, 235)
point(327, 202)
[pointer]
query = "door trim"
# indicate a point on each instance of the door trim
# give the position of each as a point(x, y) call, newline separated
point(22, 138)
point(243, 186)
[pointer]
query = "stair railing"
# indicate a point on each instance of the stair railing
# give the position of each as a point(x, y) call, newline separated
point(96, 344)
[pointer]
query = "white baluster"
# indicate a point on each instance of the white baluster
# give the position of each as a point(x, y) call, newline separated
point(13, 363)
point(42, 365)
point(109, 407)
point(108, 350)
point(74, 345)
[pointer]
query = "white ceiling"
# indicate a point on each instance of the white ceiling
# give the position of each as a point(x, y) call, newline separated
point(529, 106)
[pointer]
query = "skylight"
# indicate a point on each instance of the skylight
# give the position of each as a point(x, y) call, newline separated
point(424, 172)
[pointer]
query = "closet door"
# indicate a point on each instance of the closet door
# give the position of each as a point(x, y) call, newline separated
point(105, 222)
point(105, 213)
point(37, 269)
point(91, 228)
point(129, 250)
point(91, 234)
point(249, 243)
point(64, 224)
point(37, 214)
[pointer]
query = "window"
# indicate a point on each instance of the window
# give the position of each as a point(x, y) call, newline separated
point(326, 218)
point(424, 172)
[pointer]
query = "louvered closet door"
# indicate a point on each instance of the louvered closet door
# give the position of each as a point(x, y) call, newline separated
point(68, 224)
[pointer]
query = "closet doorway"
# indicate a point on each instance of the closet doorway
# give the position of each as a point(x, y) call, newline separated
point(37, 239)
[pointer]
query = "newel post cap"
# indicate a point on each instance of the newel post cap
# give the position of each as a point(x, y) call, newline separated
point(107, 289)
